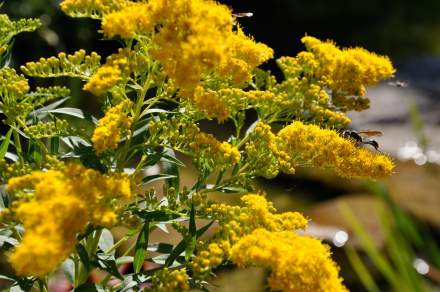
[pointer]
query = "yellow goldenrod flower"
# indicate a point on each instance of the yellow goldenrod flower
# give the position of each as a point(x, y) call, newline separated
point(171, 281)
point(62, 203)
point(107, 134)
point(236, 222)
point(210, 103)
point(208, 258)
point(333, 119)
point(108, 75)
point(190, 39)
point(346, 72)
point(297, 263)
point(311, 145)
point(91, 8)
point(12, 85)
point(134, 18)
point(264, 156)
point(222, 153)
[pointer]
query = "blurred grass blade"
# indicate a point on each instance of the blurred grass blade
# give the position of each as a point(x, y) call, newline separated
point(361, 270)
point(378, 259)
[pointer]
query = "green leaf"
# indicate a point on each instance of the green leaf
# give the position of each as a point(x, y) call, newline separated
point(180, 247)
point(83, 255)
point(5, 199)
point(172, 169)
point(71, 111)
point(156, 215)
point(202, 230)
point(43, 111)
point(231, 190)
point(141, 247)
point(68, 267)
point(172, 159)
point(5, 144)
point(155, 177)
point(106, 240)
point(124, 260)
point(54, 145)
point(192, 234)
point(161, 247)
point(107, 263)
point(8, 240)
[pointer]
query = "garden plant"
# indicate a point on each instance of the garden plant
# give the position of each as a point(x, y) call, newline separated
point(68, 178)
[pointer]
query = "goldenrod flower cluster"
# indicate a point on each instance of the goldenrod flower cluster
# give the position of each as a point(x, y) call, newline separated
point(311, 145)
point(264, 156)
point(205, 148)
point(12, 85)
point(107, 75)
point(344, 72)
point(171, 281)
point(297, 263)
point(91, 8)
point(180, 62)
point(212, 256)
point(235, 222)
point(222, 153)
point(193, 38)
point(78, 64)
point(333, 119)
point(107, 134)
point(62, 203)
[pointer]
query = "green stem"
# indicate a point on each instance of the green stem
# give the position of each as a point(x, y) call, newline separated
point(18, 145)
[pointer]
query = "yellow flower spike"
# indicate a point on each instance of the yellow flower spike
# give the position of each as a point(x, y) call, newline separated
point(91, 8)
point(190, 39)
point(222, 152)
point(170, 281)
point(62, 204)
point(115, 122)
point(109, 74)
point(311, 145)
point(297, 263)
point(208, 102)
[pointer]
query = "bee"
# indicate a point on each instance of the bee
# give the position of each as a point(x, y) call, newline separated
point(363, 137)
point(398, 83)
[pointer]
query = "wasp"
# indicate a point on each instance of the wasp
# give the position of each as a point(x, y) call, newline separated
point(363, 137)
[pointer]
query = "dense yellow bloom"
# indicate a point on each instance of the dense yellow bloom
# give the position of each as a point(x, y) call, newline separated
point(264, 156)
point(190, 39)
point(61, 205)
point(311, 145)
point(257, 212)
point(210, 104)
point(108, 75)
point(236, 222)
point(12, 85)
point(346, 72)
point(107, 134)
point(222, 153)
point(297, 263)
point(333, 119)
point(210, 257)
point(171, 281)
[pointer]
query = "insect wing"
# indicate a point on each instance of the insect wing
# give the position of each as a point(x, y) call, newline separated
point(371, 133)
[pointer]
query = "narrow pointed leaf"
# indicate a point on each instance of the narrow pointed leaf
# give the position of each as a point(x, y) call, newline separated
point(5, 144)
point(141, 247)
